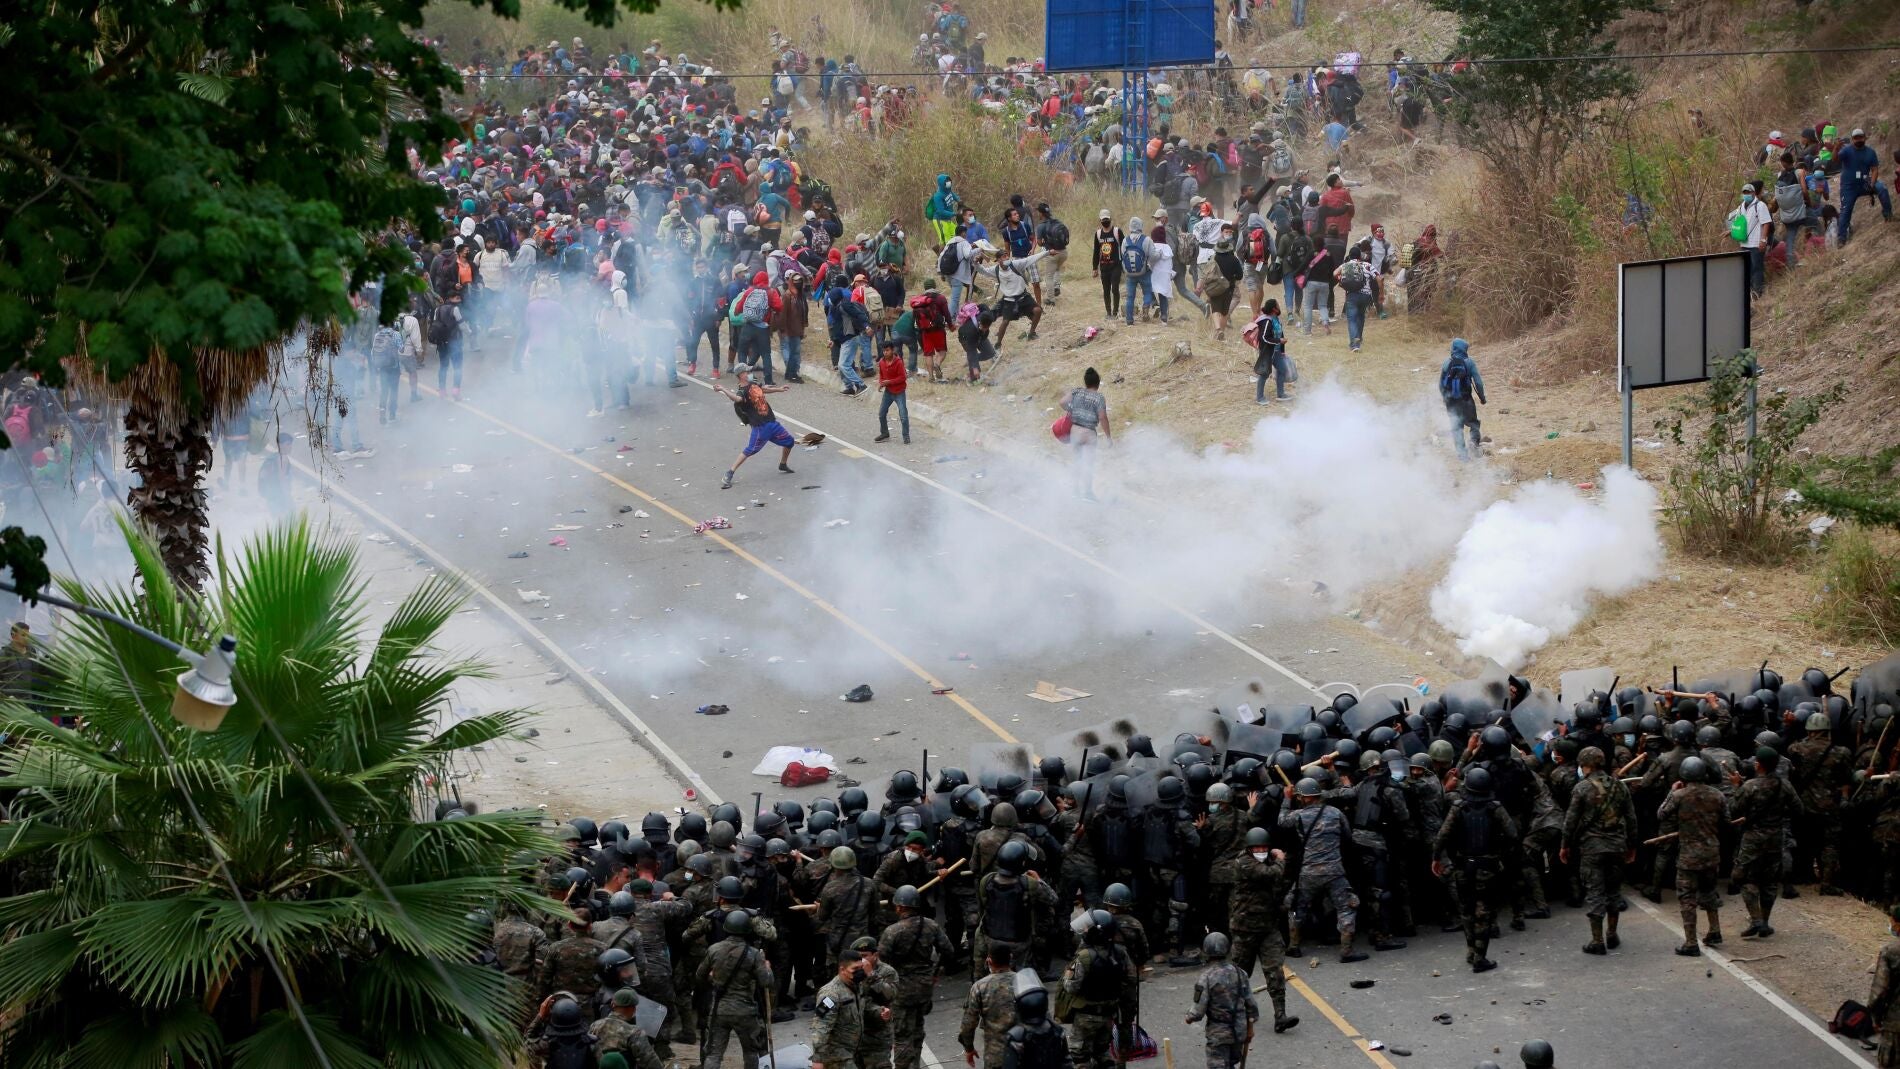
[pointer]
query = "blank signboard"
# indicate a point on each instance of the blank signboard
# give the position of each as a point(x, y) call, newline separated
point(1098, 35)
point(1674, 316)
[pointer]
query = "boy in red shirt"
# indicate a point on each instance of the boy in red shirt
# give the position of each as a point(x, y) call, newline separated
point(930, 311)
point(891, 379)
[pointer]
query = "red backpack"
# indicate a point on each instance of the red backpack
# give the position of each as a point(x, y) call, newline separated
point(1257, 245)
point(927, 314)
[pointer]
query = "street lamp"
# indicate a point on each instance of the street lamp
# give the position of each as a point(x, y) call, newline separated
point(204, 693)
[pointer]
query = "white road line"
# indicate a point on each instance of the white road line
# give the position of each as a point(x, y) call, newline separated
point(615, 707)
point(1794, 1013)
point(1064, 547)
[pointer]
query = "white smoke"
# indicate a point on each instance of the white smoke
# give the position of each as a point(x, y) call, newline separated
point(1529, 567)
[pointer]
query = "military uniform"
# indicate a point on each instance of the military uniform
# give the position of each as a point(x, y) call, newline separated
point(1080, 875)
point(917, 948)
point(1221, 836)
point(1131, 936)
point(733, 977)
point(1169, 844)
point(1096, 981)
point(1321, 831)
point(1600, 831)
point(837, 1025)
point(1006, 910)
point(1037, 1046)
point(1698, 813)
point(572, 965)
point(520, 948)
point(1377, 812)
point(1884, 802)
point(1478, 840)
point(1881, 1004)
point(877, 991)
point(616, 1034)
point(1766, 805)
point(1258, 912)
point(989, 1008)
point(1820, 771)
point(1223, 997)
point(1661, 771)
point(845, 908)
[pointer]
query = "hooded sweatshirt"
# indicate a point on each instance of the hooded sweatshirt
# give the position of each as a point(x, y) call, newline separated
point(944, 202)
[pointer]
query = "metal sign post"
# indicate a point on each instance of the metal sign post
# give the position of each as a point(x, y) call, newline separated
point(1673, 316)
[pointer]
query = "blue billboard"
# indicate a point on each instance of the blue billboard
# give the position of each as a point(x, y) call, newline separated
point(1098, 35)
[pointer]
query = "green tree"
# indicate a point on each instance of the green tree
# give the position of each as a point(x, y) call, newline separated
point(1520, 115)
point(188, 182)
point(134, 938)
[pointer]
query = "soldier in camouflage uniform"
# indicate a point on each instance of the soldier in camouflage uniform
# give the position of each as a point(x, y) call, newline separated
point(617, 1034)
point(847, 902)
point(654, 921)
point(1258, 912)
point(1660, 772)
point(1009, 900)
point(1080, 875)
point(1322, 831)
point(701, 897)
point(991, 1008)
point(1034, 1041)
point(955, 843)
point(520, 948)
point(1096, 982)
point(1425, 799)
point(1697, 812)
point(1883, 999)
point(733, 978)
point(1765, 805)
point(838, 1017)
point(572, 964)
point(1478, 841)
point(1223, 997)
point(1119, 901)
point(1821, 775)
point(918, 949)
point(1600, 836)
point(1222, 829)
point(989, 842)
point(1170, 842)
point(910, 864)
point(878, 991)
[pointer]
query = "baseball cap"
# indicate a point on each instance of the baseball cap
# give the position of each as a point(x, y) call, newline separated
point(742, 369)
point(1105, 214)
point(1858, 132)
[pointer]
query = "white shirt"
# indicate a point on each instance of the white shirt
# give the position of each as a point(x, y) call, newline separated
point(1162, 257)
point(1757, 215)
point(1206, 233)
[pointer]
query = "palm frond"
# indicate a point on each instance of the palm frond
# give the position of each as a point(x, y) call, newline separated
point(36, 962)
point(281, 1041)
point(210, 88)
point(180, 1034)
point(158, 948)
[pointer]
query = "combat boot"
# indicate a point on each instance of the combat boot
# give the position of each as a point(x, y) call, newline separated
point(1347, 955)
point(1689, 948)
point(1595, 945)
point(1610, 939)
point(1293, 941)
point(1767, 915)
point(1754, 917)
point(1714, 938)
point(1281, 1022)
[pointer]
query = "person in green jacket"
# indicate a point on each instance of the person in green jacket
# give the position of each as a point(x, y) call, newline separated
point(941, 211)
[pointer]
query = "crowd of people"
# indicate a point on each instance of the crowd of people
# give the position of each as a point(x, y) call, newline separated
point(1790, 207)
point(1056, 884)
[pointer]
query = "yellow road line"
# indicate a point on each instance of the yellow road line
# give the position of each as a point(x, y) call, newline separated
point(1345, 1027)
point(787, 581)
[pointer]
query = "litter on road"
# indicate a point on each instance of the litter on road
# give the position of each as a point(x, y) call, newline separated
point(1048, 692)
point(859, 693)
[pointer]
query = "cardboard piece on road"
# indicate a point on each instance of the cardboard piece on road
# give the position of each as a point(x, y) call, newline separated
point(1048, 692)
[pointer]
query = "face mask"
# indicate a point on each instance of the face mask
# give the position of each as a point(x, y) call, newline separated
point(912, 855)
point(689, 877)
point(1748, 198)
point(1629, 740)
point(1261, 856)
point(1213, 807)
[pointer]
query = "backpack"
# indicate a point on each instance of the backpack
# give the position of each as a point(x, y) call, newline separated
point(949, 260)
point(800, 61)
point(1134, 256)
point(926, 314)
point(1851, 1020)
point(761, 215)
point(755, 304)
point(782, 85)
point(1170, 191)
point(1257, 245)
point(442, 325)
point(20, 425)
point(1352, 277)
point(385, 349)
point(1281, 162)
point(1058, 234)
point(1791, 203)
point(816, 191)
point(1738, 226)
point(1454, 383)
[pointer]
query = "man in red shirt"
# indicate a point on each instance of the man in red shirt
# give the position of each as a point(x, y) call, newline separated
point(930, 312)
point(1336, 208)
point(891, 379)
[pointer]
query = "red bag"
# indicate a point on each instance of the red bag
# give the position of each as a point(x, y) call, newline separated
point(1060, 428)
point(796, 774)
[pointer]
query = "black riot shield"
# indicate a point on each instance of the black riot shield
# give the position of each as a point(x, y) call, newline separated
point(1537, 713)
point(989, 761)
point(1371, 712)
point(1877, 684)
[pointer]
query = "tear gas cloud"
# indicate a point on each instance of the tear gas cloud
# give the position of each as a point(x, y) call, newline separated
point(1529, 567)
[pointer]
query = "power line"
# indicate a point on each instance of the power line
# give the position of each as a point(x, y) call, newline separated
point(1620, 57)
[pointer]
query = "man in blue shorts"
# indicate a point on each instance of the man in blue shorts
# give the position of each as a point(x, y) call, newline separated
point(750, 404)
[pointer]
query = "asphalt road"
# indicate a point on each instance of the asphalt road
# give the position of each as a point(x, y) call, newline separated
point(962, 569)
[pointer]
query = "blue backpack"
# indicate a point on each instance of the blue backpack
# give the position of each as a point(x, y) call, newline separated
point(1454, 383)
point(1134, 256)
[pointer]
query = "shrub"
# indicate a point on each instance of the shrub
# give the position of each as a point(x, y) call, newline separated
point(1729, 495)
point(1859, 599)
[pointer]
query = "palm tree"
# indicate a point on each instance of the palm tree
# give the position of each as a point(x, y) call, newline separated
point(157, 881)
